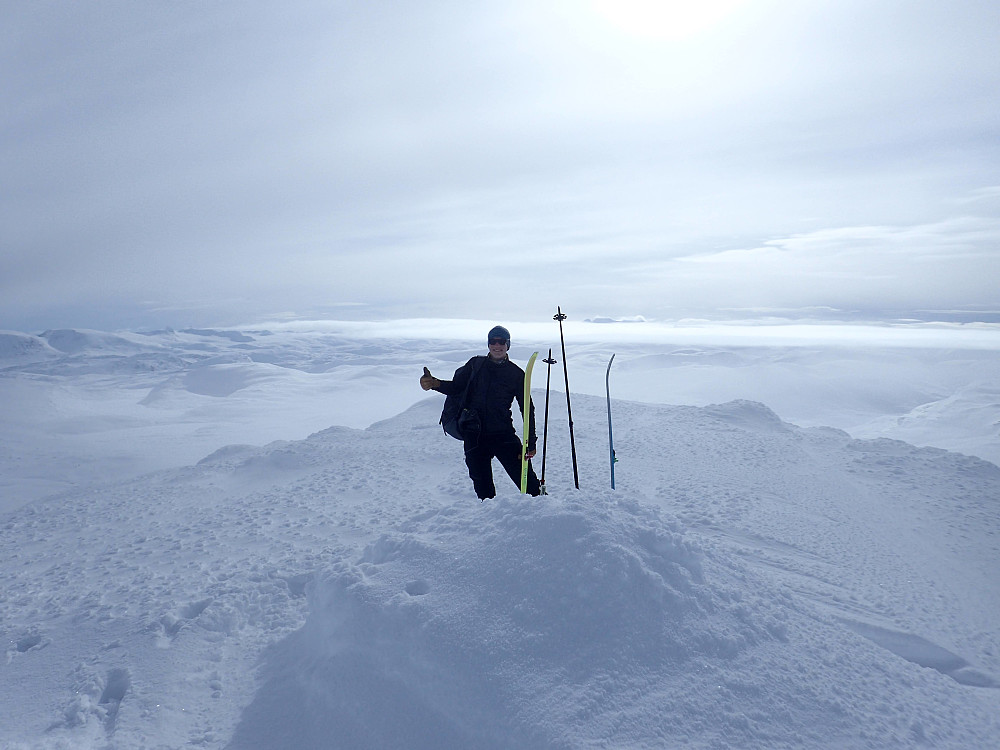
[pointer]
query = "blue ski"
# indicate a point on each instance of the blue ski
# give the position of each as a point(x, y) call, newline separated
point(611, 439)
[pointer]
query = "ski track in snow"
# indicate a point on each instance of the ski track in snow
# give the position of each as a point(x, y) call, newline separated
point(750, 584)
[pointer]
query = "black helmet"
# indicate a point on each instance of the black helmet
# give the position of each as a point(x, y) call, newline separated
point(499, 332)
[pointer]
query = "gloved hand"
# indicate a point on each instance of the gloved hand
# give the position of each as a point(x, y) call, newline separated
point(428, 381)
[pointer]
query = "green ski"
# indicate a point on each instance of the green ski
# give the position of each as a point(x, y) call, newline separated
point(527, 424)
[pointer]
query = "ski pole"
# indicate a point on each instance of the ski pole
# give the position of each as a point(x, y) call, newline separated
point(525, 433)
point(560, 316)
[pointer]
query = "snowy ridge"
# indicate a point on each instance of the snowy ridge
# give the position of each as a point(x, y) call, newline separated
point(116, 405)
point(751, 584)
point(21, 346)
point(72, 341)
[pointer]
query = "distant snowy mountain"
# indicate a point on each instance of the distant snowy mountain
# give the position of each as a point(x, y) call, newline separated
point(71, 341)
point(751, 584)
point(16, 347)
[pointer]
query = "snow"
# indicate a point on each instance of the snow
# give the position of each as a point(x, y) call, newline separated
point(253, 540)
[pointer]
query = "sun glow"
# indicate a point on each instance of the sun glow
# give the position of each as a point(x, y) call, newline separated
point(665, 19)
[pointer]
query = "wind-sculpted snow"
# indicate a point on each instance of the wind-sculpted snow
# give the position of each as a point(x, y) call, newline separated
point(491, 625)
point(591, 623)
point(750, 584)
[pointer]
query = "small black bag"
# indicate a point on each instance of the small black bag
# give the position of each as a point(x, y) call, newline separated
point(468, 425)
point(456, 419)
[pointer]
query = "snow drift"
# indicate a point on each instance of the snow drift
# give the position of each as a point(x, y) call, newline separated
point(588, 624)
point(750, 584)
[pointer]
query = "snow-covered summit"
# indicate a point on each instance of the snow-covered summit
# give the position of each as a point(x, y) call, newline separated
point(750, 584)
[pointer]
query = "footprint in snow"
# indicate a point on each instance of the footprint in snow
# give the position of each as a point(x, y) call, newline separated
point(172, 623)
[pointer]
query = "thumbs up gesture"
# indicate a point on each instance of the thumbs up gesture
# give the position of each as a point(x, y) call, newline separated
point(428, 381)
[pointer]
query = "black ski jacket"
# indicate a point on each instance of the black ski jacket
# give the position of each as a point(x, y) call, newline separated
point(494, 389)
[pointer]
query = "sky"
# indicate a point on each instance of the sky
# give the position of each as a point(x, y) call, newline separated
point(181, 163)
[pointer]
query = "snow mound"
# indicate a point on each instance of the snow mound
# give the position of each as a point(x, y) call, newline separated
point(13, 344)
point(747, 414)
point(593, 623)
point(222, 380)
point(947, 422)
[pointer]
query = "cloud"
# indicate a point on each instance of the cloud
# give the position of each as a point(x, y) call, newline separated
point(951, 263)
point(958, 239)
point(440, 158)
point(747, 332)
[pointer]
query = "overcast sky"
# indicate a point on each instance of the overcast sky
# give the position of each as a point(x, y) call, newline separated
point(214, 162)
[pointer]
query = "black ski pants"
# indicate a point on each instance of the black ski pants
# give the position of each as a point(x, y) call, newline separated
point(506, 448)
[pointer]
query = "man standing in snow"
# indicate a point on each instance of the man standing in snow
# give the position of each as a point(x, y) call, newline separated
point(495, 383)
